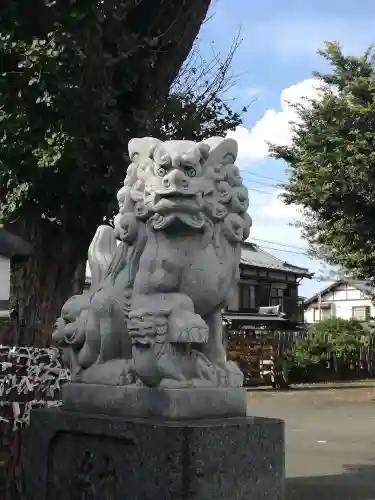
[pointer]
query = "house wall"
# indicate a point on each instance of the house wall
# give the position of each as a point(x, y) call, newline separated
point(342, 301)
point(4, 278)
point(276, 280)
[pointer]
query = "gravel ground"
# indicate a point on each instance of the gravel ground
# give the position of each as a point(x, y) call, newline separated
point(330, 439)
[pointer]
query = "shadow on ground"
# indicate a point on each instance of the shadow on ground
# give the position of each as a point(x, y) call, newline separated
point(313, 387)
point(357, 483)
point(335, 387)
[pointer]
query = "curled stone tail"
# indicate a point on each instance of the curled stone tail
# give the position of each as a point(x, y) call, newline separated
point(101, 253)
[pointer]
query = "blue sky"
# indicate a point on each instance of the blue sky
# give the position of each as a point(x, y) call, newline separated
point(275, 61)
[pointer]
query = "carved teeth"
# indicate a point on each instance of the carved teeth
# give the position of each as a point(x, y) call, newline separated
point(142, 347)
point(143, 341)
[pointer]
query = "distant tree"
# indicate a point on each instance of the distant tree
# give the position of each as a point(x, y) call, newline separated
point(331, 164)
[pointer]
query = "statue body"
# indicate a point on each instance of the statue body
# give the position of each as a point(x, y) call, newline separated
point(153, 314)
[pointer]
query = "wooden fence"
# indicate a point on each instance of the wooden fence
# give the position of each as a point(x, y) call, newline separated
point(262, 355)
point(260, 352)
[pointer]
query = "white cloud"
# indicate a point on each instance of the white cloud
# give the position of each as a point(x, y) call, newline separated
point(274, 126)
point(278, 210)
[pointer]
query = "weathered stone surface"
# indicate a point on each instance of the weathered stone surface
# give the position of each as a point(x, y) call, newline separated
point(153, 313)
point(77, 456)
point(168, 403)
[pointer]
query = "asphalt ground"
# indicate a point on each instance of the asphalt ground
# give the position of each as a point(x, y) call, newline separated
point(330, 439)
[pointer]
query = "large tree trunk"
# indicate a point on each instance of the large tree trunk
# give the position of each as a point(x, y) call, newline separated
point(41, 285)
point(176, 24)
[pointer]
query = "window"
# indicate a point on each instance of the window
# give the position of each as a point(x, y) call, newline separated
point(361, 313)
point(247, 296)
point(4, 305)
point(262, 298)
point(291, 291)
point(325, 313)
point(322, 313)
point(288, 291)
point(277, 293)
point(316, 315)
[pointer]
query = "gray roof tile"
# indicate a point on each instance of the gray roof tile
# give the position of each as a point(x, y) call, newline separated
point(252, 255)
point(364, 286)
point(13, 246)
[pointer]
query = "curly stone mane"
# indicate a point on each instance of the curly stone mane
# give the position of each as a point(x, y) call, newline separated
point(224, 197)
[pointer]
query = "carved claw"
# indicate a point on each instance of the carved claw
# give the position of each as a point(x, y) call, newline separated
point(186, 327)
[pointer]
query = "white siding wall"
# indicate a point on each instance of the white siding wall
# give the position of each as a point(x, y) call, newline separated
point(342, 301)
point(309, 314)
point(4, 278)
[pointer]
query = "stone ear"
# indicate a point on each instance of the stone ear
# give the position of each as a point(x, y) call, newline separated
point(204, 150)
point(220, 149)
point(160, 155)
point(144, 146)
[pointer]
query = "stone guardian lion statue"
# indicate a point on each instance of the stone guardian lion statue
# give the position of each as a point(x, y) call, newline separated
point(163, 274)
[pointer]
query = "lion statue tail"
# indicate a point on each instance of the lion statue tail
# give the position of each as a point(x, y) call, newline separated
point(101, 253)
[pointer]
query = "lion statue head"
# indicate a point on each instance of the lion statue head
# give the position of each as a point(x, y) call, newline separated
point(183, 183)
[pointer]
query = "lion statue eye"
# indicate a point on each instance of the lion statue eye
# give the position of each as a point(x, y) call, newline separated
point(161, 171)
point(191, 172)
point(228, 159)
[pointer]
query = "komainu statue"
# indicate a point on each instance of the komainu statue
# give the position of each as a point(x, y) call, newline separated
point(162, 275)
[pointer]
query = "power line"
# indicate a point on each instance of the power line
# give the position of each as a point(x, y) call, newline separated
point(262, 183)
point(248, 179)
point(261, 191)
point(279, 243)
point(323, 280)
point(259, 175)
point(283, 250)
point(315, 278)
point(273, 186)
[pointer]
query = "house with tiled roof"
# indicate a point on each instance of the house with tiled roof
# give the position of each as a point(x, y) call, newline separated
point(12, 249)
point(267, 292)
point(264, 315)
point(345, 298)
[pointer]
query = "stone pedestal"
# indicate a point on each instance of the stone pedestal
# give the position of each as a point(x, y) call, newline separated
point(171, 404)
point(78, 456)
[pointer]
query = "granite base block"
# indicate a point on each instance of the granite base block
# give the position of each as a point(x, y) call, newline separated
point(78, 456)
point(145, 402)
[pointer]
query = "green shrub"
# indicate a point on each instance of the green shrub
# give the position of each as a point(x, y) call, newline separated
point(330, 339)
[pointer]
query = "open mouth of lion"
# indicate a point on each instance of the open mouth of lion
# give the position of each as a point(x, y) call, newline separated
point(176, 201)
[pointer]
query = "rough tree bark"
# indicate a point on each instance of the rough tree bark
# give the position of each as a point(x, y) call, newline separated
point(178, 24)
point(56, 269)
point(40, 286)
